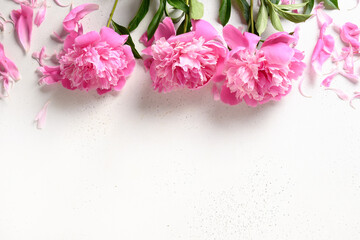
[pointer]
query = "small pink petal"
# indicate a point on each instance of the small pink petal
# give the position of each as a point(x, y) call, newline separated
point(323, 49)
point(61, 5)
point(23, 25)
point(301, 90)
point(166, 29)
point(327, 81)
point(55, 36)
point(356, 96)
point(321, 16)
point(76, 14)
point(40, 16)
point(216, 93)
point(41, 116)
point(352, 77)
point(343, 96)
point(39, 56)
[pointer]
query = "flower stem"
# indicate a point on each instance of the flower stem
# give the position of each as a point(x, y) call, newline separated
point(186, 18)
point(112, 13)
point(252, 16)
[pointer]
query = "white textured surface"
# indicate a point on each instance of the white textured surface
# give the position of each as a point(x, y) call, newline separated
point(141, 165)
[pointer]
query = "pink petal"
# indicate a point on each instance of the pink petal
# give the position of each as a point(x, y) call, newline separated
point(322, 17)
point(144, 40)
point(356, 96)
point(228, 97)
point(55, 36)
point(112, 38)
point(234, 38)
point(61, 5)
point(23, 25)
point(327, 81)
point(166, 29)
point(216, 93)
point(323, 50)
point(39, 56)
point(40, 16)
point(88, 38)
point(278, 54)
point(301, 90)
point(204, 29)
point(41, 116)
point(343, 96)
point(78, 13)
point(352, 77)
point(8, 67)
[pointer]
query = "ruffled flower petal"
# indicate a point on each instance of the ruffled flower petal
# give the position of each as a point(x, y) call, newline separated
point(71, 20)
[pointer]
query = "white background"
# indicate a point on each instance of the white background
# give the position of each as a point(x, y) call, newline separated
point(143, 165)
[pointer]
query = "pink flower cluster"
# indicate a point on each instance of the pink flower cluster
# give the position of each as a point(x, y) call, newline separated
point(194, 59)
point(90, 61)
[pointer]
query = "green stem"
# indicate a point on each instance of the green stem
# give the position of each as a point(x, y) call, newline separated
point(252, 16)
point(112, 13)
point(186, 18)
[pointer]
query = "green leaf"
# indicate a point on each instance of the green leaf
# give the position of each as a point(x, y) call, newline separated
point(294, 17)
point(124, 31)
point(244, 8)
point(156, 19)
point(309, 7)
point(292, 6)
point(225, 11)
point(332, 3)
point(275, 1)
point(275, 20)
point(196, 9)
point(179, 4)
point(141, 13)
point(262, 18)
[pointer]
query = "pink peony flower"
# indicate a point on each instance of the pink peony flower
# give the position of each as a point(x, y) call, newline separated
point(350, 33)
point(188, 60)
point(89, 61)
point(8, 71)
point(259, 75)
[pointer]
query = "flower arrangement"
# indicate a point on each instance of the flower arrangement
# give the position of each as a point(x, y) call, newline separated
point(184, 51)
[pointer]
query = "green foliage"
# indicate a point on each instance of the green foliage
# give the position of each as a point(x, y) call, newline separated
point(124, 31)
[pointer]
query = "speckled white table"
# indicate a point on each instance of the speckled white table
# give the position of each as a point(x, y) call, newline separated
point(141, 165)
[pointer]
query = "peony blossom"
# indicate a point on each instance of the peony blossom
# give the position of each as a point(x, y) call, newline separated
point(89, 61)
point(259, 75)
point(8, 71)
point(188, 60)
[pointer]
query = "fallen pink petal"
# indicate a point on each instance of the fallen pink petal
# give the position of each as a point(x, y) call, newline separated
point(60, 4)
point(9, 73)
point(23, 20)
point(343, 96)
point(71, 20)
point(41, 116)
point(40, 16)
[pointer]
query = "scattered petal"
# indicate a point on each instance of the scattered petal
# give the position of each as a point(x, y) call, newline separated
point(343, 96)
point(60, 4)
point(356, 96)
point(76, 14)
point(40, 16)
point(301, 90)
point(41, 116)
point(216, 93)
point(39, 56)
point(327, 81)
point(23, 25)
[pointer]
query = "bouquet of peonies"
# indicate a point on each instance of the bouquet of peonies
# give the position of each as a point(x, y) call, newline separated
point(184, 51)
